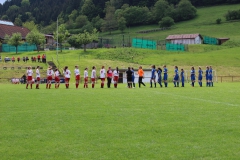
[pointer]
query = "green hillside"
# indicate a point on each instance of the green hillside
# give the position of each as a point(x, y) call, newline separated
point(204, 23)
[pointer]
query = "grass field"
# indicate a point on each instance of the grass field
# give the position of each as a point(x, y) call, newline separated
point(146, 123)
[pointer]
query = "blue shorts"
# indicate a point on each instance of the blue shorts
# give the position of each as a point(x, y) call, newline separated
point(200, 77)
point(153, 77)
point(159, 78)
point(133, 79)
point(182, 79)
point(176, 77)
point(192, 78)
point(210, 77)
point(206, 77)
point(165, 76)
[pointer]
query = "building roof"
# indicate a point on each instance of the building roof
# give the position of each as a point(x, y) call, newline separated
point(183, 36)
point(9, 30)
point(6, 22)
point(223, 38)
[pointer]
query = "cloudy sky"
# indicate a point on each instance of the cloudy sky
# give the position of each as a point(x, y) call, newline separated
point(1, 1)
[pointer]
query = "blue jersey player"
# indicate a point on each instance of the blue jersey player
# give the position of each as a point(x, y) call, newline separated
point(176, 77)
point(192, 76)
point(159, 72)
point(210, 77)
point(133, 77)
point(165, 75)
point(200, 73)
point(153, 76)
point(182, 77)
point(206, 74)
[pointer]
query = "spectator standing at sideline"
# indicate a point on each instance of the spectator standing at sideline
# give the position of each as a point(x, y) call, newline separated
point(38, 57)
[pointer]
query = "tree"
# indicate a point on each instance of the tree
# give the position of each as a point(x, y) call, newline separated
point(110, 22)
point(34, 37)
point(89, 9)
point(73, 41)
point(15, 40)
point(122, 24)
point(62, 35)
point(81, 21)
point(97, 22)
point(30, 25)
point(25, 3)
point(185, 11)
point(4, 17)
point(159, 9)
point(166, 22)
point(18, 22)
point(86, 37)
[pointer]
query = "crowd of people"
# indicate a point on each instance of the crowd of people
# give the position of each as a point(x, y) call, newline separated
point(113, 75)
point(37, 58)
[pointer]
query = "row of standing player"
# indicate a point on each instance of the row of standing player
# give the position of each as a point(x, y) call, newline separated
point(115, 76)
point(176, 79)
point(67, 74)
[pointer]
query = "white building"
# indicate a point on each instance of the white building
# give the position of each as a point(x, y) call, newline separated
point(185, 39)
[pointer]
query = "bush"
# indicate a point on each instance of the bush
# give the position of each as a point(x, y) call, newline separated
point(166, 22)
point(232, 15)
point(218, 21)
point(231, 44)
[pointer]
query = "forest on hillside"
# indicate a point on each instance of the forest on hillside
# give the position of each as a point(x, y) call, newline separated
point(80, 15)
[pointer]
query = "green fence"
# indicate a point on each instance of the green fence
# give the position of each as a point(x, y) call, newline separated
point(175, 47)
point(144, 43)
point(22, 48)
point(210, 40)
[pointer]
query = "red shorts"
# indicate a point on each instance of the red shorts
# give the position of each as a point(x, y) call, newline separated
point(49, 78)
point(29, 78)
point(77, 77)
point(93, 79)
point(57, 79)
point(67, 79)
point(38, 78)
point(115, 78)
point(102, 79)
point(86, 80)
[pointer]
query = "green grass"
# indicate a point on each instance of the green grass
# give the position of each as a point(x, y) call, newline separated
point(161, 123)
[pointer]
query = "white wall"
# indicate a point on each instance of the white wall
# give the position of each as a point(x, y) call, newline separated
point(197, 40)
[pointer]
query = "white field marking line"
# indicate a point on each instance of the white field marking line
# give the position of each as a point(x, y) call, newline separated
point(199, 99)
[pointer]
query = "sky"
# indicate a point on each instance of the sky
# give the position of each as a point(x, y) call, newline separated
point(2, 1)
